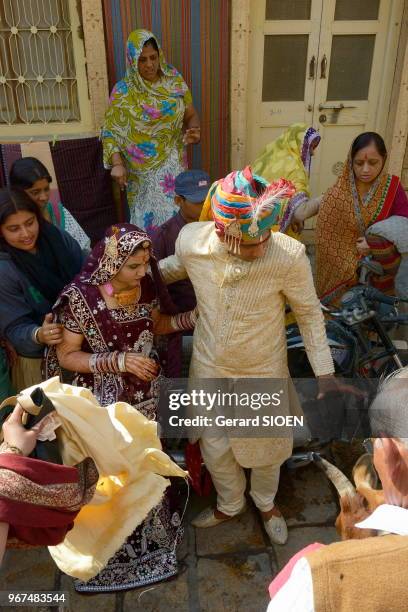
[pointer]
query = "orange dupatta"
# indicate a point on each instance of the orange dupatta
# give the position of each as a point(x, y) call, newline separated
point(342, 219)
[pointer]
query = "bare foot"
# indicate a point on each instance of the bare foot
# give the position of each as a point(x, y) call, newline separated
point(270, 513)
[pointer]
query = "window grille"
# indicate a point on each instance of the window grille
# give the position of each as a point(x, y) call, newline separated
point(38, 76)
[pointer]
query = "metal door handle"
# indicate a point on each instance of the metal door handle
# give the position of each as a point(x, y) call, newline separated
point(312, 67)
point(323, 67)
point(335, 107)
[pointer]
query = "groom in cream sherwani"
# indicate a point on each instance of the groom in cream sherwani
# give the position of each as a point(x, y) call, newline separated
point(243, 275)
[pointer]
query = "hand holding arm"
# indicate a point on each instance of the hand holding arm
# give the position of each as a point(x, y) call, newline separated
point(167, 324)
point(49, 333)
point(308, 209)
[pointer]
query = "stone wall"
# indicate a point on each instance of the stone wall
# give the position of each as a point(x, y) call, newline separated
point(397, 127)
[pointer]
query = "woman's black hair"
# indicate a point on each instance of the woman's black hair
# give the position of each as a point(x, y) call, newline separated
point(26, 171)
point(365, 139)
point(152, 41)
point(12, 201)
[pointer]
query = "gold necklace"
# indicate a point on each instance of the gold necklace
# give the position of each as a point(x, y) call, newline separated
point(128, 299)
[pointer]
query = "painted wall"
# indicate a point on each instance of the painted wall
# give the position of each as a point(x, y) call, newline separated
point(195, 36)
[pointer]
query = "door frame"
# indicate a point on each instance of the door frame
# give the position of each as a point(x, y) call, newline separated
point(395, 86)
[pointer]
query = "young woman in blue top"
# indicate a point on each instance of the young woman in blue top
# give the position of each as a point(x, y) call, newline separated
point(36, 261)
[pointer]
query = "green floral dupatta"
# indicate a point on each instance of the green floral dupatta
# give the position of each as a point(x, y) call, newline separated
point(144, 119)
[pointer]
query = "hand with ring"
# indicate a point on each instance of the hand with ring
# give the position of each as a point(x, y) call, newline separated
point(143, 367)
point(50, 333)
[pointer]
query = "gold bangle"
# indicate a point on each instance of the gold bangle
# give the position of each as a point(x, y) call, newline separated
point(119, 164)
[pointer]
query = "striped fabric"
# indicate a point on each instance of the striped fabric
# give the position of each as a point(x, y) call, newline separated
point(385, 253)
point(84, 186)
point(195, 38)
point(9, 153)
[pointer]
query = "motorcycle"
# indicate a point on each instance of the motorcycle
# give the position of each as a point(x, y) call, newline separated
point(359, 341)
point(358, 334)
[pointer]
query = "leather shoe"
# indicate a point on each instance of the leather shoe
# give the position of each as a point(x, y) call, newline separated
point(207, 518)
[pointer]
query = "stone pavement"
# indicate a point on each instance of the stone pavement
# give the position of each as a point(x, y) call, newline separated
point(224, 569)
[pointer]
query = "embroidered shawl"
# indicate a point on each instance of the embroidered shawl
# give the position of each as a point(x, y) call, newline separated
point(40, 500)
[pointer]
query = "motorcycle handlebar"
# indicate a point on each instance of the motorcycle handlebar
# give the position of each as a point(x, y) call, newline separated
point(374, 294)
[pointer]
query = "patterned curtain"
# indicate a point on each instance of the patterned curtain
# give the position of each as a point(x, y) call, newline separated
point(195, 36)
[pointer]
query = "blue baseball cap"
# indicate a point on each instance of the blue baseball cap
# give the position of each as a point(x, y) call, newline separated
point(193, 185)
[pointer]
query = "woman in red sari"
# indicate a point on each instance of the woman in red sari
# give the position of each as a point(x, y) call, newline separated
point(362, 196)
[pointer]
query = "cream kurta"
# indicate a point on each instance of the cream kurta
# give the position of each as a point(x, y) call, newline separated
point(241, 328)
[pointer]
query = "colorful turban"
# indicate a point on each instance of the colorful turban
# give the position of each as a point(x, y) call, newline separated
point(244, 205)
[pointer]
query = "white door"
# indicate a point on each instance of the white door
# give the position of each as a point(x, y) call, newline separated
point(328, 63)
point(354, 78)
point(283, 61)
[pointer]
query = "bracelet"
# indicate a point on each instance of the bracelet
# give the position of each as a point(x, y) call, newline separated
point(184, 321)
point(122, 362)
point(5, 447)
point(34, 335)
point(119, 164)
point(101, 363)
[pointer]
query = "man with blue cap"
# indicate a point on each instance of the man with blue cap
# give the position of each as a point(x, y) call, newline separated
point(191, 189)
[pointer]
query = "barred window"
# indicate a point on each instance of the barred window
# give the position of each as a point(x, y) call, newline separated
point(42, 67)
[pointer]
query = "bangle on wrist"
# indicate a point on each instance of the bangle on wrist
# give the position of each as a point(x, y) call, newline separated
point(184, 321)
point(114, 362)
point(35, 335)
point(118, 164)
point(5, 447)
point(122, 362)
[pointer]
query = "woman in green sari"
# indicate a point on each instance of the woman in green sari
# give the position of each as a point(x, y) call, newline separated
point(143, 141)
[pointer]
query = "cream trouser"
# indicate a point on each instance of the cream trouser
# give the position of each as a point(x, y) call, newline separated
point(229, 477)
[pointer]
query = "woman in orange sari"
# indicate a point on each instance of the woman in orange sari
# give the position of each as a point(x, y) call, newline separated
point(348, 214)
